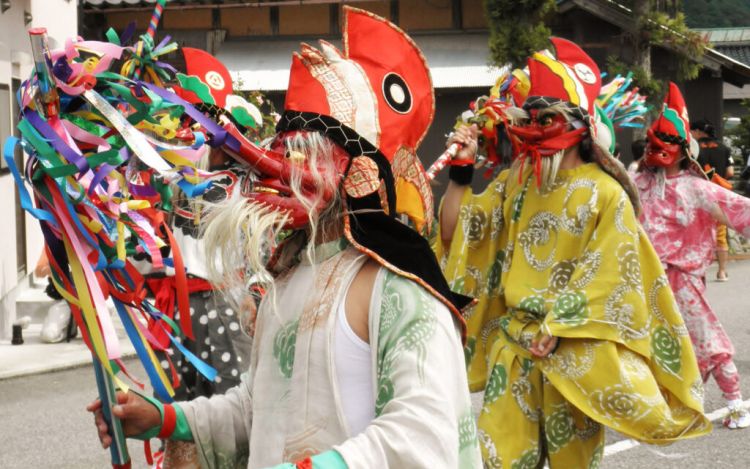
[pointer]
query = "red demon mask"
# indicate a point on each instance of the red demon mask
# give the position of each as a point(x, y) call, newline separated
point(670, 133)
point(565, 76)
point(544, 135)
point(374, 100)
point(661, 154)
point(273, 167)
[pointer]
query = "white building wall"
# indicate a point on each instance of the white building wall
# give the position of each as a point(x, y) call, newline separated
point(60, 17)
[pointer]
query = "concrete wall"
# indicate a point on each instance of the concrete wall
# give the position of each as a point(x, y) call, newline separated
point(61, 20)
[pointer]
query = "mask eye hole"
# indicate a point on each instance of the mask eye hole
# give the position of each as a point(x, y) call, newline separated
point(546, 121)
point(397, 93)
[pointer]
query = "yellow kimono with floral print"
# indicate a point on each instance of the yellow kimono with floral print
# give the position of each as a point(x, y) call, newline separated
point(575, 263)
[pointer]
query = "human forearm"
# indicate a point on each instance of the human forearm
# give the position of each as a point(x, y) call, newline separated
point(173, 425)
point(726, 207)
point(450, 209)
point(459, 179)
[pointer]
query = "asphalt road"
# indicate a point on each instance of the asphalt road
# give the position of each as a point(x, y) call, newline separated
point(43, 423)
point(723, 448)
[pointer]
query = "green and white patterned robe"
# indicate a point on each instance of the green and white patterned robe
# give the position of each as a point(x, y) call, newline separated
point(288, 406)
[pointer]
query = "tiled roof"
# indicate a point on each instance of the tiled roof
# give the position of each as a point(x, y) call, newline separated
point(739, 53)
point(732, 42)
point(726, 36)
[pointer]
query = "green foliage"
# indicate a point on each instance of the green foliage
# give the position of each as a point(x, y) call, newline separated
point(717, 13)
point(267, 109)
point(648, 86)
point(672, 32)
point(517, 29)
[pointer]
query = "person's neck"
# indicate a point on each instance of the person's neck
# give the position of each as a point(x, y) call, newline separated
point(672, 169)
point(571, 159)
point(330, 233)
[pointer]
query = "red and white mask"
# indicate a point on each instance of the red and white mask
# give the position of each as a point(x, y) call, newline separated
point(374, 100)
point(564, 79)
point(669, 135)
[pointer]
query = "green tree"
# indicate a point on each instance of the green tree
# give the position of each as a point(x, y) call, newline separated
point(717, 13)
point(517, 29)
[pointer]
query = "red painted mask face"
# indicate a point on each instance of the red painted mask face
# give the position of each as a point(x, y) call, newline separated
point(274, 169)
point(543, 136)
point(661, 154)
point(545, 133)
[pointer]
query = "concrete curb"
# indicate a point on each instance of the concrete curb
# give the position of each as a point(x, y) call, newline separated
point(35, 357)
point(51, 368)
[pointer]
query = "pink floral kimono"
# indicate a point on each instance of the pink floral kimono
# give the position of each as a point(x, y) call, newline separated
point(680, 213)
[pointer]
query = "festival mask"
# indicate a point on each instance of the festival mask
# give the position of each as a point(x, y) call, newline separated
point(374, 103)
point(563, 76)
point(546, 133)
point(670, 133)
point(273, 168)
point(659, 153)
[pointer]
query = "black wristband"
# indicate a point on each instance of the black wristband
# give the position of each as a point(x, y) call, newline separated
point(461, 175)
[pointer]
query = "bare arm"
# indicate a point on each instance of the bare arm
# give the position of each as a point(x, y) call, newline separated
point(358, 300)
point(466, 136)
point(136, 414)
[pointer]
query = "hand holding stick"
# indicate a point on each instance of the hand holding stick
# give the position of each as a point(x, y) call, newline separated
point(462, 149)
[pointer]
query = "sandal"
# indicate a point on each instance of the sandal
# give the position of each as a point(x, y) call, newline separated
point(722, 278)
point(738, 418)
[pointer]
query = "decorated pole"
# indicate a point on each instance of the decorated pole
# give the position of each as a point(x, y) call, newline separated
point(151, 32)
point(442, 161)
point(47, 103)
point(155, 18)
point(118, 450)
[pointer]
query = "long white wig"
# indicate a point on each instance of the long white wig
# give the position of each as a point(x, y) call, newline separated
point(241, 235)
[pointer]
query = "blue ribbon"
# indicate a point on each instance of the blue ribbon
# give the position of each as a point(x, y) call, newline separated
point(26, 203)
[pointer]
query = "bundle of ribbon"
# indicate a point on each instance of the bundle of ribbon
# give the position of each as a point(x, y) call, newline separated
point(488, 113)
point(103, 148)
point(618, 106)
point(625, 107)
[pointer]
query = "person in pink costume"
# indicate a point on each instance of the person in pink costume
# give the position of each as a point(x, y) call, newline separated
point(681, 211)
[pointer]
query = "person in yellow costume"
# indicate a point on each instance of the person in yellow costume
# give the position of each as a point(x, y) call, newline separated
point(576, 327)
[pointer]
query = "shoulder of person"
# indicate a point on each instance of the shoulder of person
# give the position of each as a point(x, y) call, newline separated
point(363, 284)
point(410, 294)
point(607, 186)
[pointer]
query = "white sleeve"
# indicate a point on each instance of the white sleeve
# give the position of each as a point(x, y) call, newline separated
point(221, 426)
point(423, 409)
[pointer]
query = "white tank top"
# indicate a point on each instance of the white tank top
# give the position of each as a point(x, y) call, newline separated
point(353, 374)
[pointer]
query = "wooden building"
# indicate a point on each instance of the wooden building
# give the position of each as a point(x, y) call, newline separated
point(256, 39)
point(602, 28)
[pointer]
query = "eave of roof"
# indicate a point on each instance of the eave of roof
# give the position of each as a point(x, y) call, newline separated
point(726, 36)
point(615, 13)
point(455, 61)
